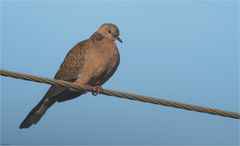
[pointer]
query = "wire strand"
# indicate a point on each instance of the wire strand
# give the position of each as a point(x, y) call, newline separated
point(123, 95)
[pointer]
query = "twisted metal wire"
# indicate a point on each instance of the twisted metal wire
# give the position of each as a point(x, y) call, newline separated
point(123, 95)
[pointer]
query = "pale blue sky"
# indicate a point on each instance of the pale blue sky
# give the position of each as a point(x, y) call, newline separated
point(186, 51)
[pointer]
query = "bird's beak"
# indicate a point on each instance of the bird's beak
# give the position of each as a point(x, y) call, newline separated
point(120, 40)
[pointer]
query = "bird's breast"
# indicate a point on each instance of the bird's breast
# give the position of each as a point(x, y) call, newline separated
point(100, 62)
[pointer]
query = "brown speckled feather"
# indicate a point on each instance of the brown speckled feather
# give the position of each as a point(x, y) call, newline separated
point(69, 70)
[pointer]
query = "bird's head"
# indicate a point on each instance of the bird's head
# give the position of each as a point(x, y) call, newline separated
point(110, 31)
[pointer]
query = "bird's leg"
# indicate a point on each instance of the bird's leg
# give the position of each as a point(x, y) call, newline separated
point(99, 89)
point(95, 89)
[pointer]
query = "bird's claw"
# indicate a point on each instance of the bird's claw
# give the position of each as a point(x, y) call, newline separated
point(95, 89)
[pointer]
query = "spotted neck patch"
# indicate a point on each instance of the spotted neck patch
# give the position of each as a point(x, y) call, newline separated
point(96, 37)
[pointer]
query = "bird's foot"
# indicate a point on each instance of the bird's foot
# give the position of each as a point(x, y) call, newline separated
point(95, 89)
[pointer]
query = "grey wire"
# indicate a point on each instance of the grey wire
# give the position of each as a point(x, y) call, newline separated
point(123, 95)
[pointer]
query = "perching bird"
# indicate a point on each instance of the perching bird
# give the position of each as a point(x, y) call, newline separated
point(90, 63)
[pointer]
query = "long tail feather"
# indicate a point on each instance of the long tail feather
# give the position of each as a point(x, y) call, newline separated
point(36, 113)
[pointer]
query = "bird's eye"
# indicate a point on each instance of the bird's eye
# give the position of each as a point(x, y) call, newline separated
point(109, 31)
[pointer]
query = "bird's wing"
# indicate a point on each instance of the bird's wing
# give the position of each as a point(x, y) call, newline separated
point(69, 69)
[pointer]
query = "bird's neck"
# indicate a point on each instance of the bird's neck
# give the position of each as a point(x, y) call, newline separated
point(96, 37)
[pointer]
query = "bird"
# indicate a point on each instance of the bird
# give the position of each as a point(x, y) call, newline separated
point(90, 63)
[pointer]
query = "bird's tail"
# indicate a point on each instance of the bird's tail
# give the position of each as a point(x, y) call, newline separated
point(37, 112)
